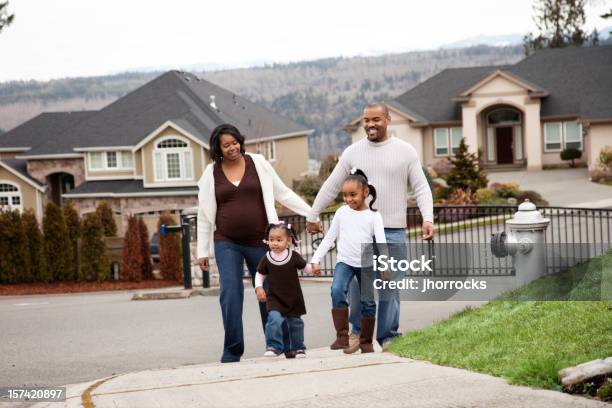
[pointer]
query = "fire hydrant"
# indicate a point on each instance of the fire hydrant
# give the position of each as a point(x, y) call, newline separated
point(524, 242)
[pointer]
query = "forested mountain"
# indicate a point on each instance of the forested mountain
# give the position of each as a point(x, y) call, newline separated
point(322, 94)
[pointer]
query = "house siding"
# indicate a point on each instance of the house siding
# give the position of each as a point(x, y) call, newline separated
point(147, 152)
point(29, 194)
point(291, 158)
point(600, 135)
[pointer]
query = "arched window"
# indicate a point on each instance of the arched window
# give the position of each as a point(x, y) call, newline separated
point(10, 196)
point(173, 160)
point(504, 117)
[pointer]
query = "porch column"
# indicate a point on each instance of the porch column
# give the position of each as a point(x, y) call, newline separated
point(533, 135)
point(470, 127)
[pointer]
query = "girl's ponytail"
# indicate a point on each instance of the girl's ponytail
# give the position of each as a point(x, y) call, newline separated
point(373, 194)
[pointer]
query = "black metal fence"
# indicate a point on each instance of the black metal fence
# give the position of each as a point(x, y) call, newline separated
point(573, 236)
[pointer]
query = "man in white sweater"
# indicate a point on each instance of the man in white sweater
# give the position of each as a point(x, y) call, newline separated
point(390, 164)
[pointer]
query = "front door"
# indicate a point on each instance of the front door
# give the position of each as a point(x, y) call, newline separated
point(503, 137)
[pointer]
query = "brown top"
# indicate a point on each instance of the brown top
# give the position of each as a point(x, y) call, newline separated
point(241, 215)
point(284, 291)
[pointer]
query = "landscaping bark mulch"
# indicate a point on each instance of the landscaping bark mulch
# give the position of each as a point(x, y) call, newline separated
point(76, 287)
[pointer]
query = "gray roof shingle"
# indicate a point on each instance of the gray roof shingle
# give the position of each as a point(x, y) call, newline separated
point(36, 130)
point(121, 187)
point(176, 96)
point(578, 79)
point(21, 166)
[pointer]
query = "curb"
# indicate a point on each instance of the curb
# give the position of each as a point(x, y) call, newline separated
point(182, 294)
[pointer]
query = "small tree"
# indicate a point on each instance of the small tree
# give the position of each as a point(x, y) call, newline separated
point(571, 154)
point(131, 256)
point(57, 244)
point(466, 173)
point(95, 263)
point(14, 259)
point(36, 247)
point(73, 224)
point(147, 263)
point(105, 213)
point(169, 251)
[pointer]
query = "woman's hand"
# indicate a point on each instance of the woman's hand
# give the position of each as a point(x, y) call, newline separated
point(203, 262)
point(261, 294)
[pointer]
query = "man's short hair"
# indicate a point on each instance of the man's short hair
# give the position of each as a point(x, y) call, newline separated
point(378, 105)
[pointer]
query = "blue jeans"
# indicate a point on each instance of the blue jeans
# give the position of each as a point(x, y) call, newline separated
point(230, 261)
point(274, 332)
point(389, 309)
point(343, 275)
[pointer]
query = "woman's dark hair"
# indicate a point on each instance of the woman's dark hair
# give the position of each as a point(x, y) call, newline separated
point(359, 176)
point(215, 140)
point(287, 228)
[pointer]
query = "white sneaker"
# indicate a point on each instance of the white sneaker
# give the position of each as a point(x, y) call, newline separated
point(272, 353)
point(300, 354)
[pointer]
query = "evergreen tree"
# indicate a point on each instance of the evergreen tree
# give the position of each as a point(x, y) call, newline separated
point(5, 18)
point(170, 265)
point(466, 173)
point(36, 247)
point(131, 256)
point(57, 243)
point(14, 259)
point(74, 236)
point(94, 259)
point(560, 24)
point(105, 213)
point(147, 263)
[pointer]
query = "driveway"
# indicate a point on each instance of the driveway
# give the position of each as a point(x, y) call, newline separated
point(564, 187)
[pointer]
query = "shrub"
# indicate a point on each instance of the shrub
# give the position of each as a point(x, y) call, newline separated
point(599, 175)
point(14, 259)
point(605, 157)
point(95, 263)
point(484, 196)
point(147, 263)
point(505, 190)
point(105, 213)
point(532, 196)
point(308, 188)
point(442, 193)
point(73, 223)
point(36, 247)
point(170, 265)
point(327, 166)
point(457, 197)
point(571, 154)
point(57, 244)
point(442, 167)
point(466, 173)
point(131, 255)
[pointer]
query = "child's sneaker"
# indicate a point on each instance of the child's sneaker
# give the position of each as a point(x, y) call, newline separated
point(272, 352)
point(300, 354)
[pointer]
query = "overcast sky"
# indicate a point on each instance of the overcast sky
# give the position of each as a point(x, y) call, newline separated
point(67, 38)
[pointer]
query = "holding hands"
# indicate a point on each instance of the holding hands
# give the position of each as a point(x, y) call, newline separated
point(261, 294)
point(316, 269)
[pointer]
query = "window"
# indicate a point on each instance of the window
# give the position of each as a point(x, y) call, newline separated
point(267, 149)
point(504, 116)
point(442, 141)
point(115, 160)
point(10, 197)
point(173, 160)
point(562, 135)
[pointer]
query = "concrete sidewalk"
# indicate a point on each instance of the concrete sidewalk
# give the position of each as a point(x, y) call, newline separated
point(325, 378)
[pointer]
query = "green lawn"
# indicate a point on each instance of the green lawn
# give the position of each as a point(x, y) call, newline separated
point(526, 342)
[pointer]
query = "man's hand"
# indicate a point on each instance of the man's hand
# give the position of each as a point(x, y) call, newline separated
point(261, 294)
point(428, 230)
point(314, 227)
point(316, 269)
point(203, 262)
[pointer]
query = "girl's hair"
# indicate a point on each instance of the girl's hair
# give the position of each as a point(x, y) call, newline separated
point(359, 176)
point(215, 140)
point(287, 228)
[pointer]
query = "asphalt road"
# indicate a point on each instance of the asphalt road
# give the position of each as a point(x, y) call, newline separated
point(67, 339)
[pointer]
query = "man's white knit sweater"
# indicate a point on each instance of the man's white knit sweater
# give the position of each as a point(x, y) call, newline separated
point(390, 166)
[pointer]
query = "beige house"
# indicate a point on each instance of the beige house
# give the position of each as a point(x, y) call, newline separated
point(144, 153)
point(520, 116)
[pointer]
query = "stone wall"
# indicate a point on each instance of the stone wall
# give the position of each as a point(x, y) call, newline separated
point(40, 169)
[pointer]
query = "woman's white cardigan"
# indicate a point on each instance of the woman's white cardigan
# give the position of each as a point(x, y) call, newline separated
point(272, 188)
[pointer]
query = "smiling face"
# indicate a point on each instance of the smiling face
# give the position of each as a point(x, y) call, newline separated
point(375, 122)
point(354, 194)
point(278, 239)
point(230, 147)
